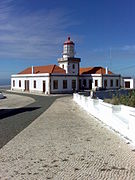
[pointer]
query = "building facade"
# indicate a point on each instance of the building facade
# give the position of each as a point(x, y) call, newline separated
point(128, 83)
point(66, 77)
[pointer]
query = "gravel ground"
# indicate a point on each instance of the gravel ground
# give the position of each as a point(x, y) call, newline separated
point(65, 143)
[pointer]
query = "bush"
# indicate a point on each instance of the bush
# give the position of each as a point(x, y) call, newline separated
point(128, 100)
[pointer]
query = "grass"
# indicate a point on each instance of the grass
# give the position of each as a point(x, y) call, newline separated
point(128, 100)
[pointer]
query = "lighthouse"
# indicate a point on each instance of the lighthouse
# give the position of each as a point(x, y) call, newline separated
point(68, 61)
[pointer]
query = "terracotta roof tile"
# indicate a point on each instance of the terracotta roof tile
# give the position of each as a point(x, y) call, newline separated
point(44, 69)
point(94, 70)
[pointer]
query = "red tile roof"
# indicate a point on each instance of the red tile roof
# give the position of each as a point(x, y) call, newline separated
point(94, 70)
point(44, 69)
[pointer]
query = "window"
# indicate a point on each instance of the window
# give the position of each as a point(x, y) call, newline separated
point(73, 66)
point(127, 84)
point(55, 84)
point(13, 83)
point(73, 84)
point(63, 66)
point(34, 84)
point(64, 84)
point(19, 83)
point(96, 83)
point(105, 83)
point(117, 82)
point(111, 82)
point(84, 82)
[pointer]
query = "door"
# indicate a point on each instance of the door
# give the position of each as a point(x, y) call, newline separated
point(80, 85)
point(26, 85)
point(90, 84)
point(44, 86)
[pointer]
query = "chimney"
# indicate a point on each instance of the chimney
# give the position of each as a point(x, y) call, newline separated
point(32, 70)
point(106, 70)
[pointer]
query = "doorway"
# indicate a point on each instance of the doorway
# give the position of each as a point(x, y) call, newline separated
point(26, 85)
point(80, 84)
point(44, 86)
point(90, 84)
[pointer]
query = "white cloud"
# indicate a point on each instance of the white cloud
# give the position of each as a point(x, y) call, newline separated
point(128, 48)
point(31, 35)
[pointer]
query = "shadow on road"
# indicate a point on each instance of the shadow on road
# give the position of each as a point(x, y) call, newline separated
point(4, 113)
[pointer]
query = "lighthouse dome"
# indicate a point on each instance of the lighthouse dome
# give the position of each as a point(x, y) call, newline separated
point(68, 42)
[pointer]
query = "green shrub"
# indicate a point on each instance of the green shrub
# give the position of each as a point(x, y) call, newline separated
point(128, 100)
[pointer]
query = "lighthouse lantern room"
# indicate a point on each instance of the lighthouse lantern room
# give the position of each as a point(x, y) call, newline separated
point(68, 48)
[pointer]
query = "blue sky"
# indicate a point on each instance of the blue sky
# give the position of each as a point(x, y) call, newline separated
point(32, 32)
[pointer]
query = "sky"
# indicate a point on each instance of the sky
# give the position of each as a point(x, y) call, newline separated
point(32, 32)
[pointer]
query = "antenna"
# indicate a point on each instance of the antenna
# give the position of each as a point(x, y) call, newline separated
point(110, 58)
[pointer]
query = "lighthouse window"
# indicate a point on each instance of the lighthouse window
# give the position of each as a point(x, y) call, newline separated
point(73, 66)
point(63, 66)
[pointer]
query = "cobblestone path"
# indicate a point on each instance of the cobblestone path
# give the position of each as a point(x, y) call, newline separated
point(65, 143)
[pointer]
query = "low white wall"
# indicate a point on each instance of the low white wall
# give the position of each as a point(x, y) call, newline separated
point(119, 117)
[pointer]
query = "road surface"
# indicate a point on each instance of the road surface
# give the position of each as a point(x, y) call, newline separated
point(65, 143)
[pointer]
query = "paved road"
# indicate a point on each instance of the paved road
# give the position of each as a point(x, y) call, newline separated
point(65, 143)
point(13, 121)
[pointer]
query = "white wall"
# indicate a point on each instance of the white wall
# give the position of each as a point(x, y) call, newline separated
point(68, 66)
point(114, 78)
point(75, 70)
point(60, 83)
point(132, 83)
point(65, 65)
point(119, 117)
point(39, 83)
point(100, 80)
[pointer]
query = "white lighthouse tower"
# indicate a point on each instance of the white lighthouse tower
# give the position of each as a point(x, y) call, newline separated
point(68, 61)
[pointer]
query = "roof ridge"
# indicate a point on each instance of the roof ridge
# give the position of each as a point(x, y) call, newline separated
point(44, 65)
point(53, 68)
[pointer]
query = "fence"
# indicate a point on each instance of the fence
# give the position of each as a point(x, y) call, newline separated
point(119, 117)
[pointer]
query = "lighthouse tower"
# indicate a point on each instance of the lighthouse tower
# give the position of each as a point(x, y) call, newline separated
point(68, 61)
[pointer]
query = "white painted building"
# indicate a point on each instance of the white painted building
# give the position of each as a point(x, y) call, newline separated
point(66, 77)
point(128, 83)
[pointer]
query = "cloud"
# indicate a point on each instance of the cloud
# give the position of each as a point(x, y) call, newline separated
point(128, 48)
point(6, 6)
point(31, 35)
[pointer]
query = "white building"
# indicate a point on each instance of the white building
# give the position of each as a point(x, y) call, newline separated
point(128, 83)
point(66, 77)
